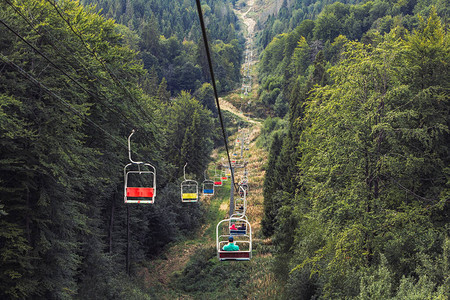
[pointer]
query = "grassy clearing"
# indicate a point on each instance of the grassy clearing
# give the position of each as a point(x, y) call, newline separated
point(190, 269)
point(205, 277)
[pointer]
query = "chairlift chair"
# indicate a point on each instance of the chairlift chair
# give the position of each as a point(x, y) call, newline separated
point(217, 179)
point(244, 241)
point(208, 187)
point(244, 185)
point(139, 180)
point(240, 204)
point(189, 189)
point(237, 225)
point(224, 176)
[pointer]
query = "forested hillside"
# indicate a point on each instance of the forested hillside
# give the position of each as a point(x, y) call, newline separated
point(357, 192)
point(168, 37)
point(292, 12)
point(69, 97)
point(347, 180)
point(289, 15)
point(289, 55)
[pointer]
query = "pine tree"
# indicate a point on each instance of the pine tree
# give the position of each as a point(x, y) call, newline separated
point(270, 186)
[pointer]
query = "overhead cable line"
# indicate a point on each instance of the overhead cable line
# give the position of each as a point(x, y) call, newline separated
point(51, 93)
point(66, 103)
point(35, 81)
point(94, 53)
point(62, 71)
point(94, 95)
point(213, 81)
point(45, 57)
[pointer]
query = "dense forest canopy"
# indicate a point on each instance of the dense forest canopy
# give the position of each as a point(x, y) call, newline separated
point(357, 197)
point(71, 92)
point(168, 37)
point(356, 184)
point(374, 13)
point(284, 59)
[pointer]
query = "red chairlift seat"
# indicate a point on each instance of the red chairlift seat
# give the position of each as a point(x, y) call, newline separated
point(234, 255)
point(139, 180)
point(217, 181)
point(140, 192)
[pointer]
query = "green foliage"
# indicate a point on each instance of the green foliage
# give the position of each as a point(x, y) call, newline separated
point(271, 128)
point(271, 182)
point(289, 51)
point(168, 38)
point(205, 276)
point(205, 95)
point(378, 284)
point(370, 190)
point(189, 134)
point(292, 15)
point(63, 148)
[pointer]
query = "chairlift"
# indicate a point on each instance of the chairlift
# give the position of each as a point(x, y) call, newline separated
point(189, 189)
point(140, 180)
point(226, 172)
point(225, 175)
point(244, 185)
point(217, 179)
point(237, 225)
point(244, 241)
point(240, 204)
point(208, 187)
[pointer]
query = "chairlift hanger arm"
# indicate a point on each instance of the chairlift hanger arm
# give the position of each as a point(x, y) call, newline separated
point(129, 148)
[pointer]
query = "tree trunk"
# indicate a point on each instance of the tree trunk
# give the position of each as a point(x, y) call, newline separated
point(111, 223)
point(128, 241)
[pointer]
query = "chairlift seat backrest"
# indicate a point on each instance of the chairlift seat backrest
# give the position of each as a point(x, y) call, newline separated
point(225, 175)
point(189, 191)
point(208, 187)
point(140, 192)
point(243, 241)
point(142, 188)
point(238, 225)
point(145, 190)
point(217, 181)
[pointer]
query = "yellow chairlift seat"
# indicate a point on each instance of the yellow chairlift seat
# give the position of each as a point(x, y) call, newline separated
point(189, 189)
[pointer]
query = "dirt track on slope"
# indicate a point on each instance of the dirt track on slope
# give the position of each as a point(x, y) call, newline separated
point(225, 105)
point(249, 21)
